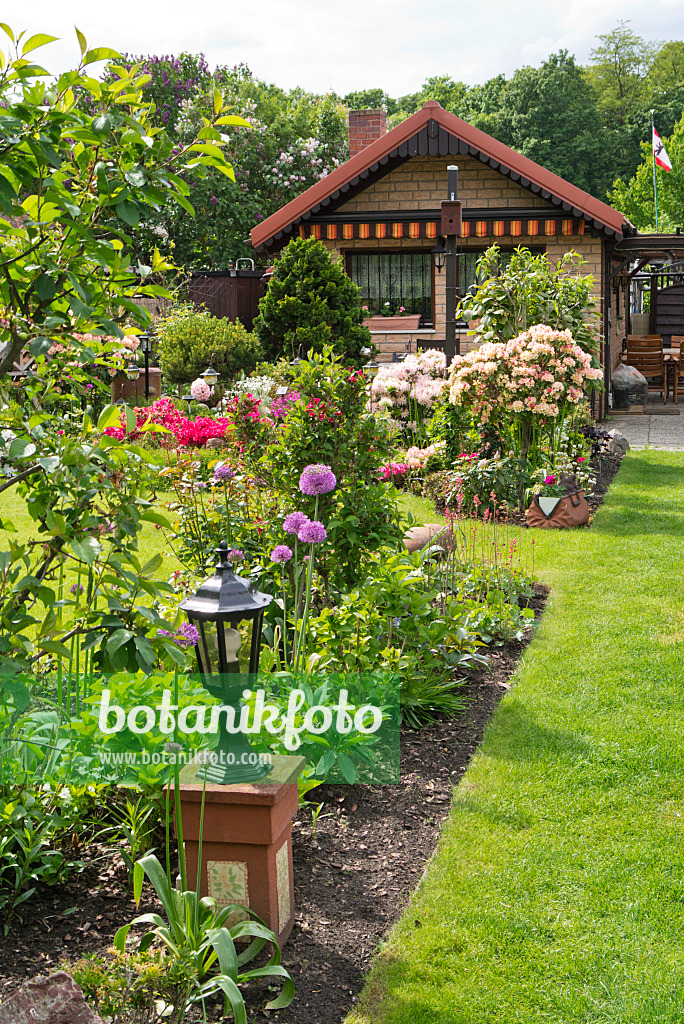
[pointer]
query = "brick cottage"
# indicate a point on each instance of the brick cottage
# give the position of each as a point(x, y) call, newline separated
point(380, 213)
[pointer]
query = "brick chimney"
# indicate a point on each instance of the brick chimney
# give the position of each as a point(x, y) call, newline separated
point(365, 126)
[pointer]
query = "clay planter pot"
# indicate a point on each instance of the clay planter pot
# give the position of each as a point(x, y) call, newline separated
point(393, 323)
point(558, 513)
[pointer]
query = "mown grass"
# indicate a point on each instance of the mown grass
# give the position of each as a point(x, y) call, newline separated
point(557, 891)
point(13, 507)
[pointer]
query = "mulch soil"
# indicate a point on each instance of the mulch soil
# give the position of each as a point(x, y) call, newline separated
point(354, 870)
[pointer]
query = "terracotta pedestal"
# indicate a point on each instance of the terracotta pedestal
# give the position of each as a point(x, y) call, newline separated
point(122, 387)
point(247, 841)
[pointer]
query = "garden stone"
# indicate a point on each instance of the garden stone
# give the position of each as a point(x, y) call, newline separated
point(618, 443)
point(56, 999)
point(215, 442)
point(419, 537)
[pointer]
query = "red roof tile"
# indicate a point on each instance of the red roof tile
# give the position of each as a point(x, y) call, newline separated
point(593, 208)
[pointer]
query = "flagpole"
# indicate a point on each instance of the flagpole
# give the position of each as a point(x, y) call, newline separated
point(655, 179)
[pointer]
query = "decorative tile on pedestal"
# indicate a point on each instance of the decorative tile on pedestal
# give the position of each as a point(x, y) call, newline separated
point(228, 884)
point(283, 885)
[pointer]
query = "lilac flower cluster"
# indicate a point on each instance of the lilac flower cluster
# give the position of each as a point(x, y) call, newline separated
point(312, 532)
point(308, 531)
point(185, 636)
point(317, 479)
point(223, 472)
point(294, 522)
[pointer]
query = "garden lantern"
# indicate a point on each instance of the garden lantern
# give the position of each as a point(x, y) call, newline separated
point(132, 371)
point(439, 255)
point(228, 613)
point(210, 376)
point(371, 367)
point(147, 346)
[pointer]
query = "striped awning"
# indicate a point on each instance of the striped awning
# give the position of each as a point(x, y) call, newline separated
point(489, 228)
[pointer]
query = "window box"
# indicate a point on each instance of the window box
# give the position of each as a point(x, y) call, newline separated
point(393, 323)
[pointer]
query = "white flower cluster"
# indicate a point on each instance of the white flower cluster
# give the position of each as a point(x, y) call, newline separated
point(420, 378)
point(257, 387)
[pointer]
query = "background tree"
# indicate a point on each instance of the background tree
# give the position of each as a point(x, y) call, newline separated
point(618, 70)
point(287, 141)
point(310, 304)
point(75, 181)
point(550, 114)
point(635, 197)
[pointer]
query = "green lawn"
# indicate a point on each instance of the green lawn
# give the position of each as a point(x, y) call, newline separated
point(150, 540)
point(557, 892)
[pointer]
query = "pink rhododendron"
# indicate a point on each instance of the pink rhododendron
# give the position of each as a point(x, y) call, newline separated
point(540, 373)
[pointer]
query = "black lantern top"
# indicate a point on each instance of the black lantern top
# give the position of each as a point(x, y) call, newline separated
point(224, 595)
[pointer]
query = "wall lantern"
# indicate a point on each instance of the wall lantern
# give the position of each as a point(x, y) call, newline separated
point(439, 255)
point(228, 613)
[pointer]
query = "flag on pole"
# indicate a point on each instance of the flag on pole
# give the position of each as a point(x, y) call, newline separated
point(660, 153)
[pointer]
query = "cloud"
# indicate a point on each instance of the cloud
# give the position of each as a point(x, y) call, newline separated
point(319, 45)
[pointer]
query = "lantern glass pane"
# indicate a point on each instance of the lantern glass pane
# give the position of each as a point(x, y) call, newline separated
point(226, 647)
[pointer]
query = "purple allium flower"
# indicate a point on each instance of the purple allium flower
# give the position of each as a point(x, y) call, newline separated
point(171, 747)
point(312, 533)
point(76, 588)
point(294, 522)
point(223, 472)
point(317, 479)
point(236, 555)
point(187, 636)
point(281, 553)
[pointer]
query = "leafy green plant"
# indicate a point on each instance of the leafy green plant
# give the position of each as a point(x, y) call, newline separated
point(136, 822)
point(195, 933)
point(191, 339)
point(26, 853)
point(134, 987)
point(81, 163)
point(311, 303)
point(530, 290)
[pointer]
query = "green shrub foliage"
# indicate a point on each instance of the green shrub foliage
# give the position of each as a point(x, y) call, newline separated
point(190, 339)
point(310, 303)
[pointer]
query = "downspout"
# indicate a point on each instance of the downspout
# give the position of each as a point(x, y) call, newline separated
point(607, 403)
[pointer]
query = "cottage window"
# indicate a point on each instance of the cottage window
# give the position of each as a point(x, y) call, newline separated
point(467, 266)
point(398, 278)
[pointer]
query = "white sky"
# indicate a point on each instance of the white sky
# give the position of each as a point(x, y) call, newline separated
point(321, 44)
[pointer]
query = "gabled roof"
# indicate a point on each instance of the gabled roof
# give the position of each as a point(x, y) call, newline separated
point(434, 131)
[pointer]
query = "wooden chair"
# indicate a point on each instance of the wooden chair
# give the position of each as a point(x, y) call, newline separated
point(676, 343)
point(645, 354)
